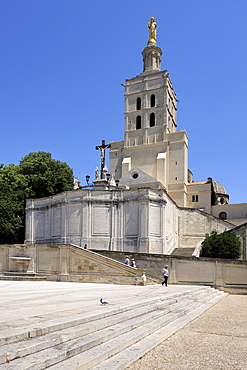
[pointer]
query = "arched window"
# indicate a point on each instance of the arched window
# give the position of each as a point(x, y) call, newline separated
point(138, 122)
point(222, 201)
point(223, 216)
point(138, 103)
point(152, 120)
point(152, 100)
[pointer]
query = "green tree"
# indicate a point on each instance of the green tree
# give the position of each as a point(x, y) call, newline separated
point(224, 245)
point(37, 176)
point(11, 215)
point(45, 175)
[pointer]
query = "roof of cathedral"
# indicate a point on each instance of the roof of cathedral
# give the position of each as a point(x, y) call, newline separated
point(218, 188)
point(138, 178)
point(199, 182)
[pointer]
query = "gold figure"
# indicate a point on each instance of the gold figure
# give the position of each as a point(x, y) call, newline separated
point(152, 31)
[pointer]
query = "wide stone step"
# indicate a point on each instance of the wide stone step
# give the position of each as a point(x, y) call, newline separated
point(47, 357)
point(9, 336)
point(22, 276)
point(96, 332)
point(131, 354)
point(12, 335)
point(107, 353)
point(38, 343)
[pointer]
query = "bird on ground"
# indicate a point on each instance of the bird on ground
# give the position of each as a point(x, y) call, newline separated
point(103, 302)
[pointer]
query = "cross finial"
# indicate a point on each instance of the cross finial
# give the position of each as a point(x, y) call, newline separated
point(102, 149)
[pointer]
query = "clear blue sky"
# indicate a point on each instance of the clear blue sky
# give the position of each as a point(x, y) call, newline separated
point(62, 63)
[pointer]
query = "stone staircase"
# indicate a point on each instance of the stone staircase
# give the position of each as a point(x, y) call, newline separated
point(74, 264)
point(17, 276)
point(111, 337)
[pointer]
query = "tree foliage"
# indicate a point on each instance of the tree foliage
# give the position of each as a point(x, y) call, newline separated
point(11, 215)
point(224, 245)
point(37, 176)
point(45, 175)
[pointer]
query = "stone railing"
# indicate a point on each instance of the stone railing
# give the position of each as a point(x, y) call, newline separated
point(64, 262)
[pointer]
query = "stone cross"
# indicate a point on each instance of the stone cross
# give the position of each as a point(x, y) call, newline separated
point(102, 149)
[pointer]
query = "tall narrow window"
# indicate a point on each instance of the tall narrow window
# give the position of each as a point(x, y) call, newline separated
point(194, 198)
point(138, 103)
point(152, 120)
point(152, 100)
point(138, 122)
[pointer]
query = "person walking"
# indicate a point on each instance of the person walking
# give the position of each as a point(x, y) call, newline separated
point(127, 261)
point(165, 273)
point(133, 263)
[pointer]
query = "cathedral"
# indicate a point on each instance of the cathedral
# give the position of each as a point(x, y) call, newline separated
point(148, 202)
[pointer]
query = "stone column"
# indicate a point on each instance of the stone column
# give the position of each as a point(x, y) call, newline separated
point(29, 232)
point(220, 274)
point(31, 252)
point(63, 262)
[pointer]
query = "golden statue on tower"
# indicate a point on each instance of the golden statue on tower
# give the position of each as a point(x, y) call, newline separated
point(152, 31)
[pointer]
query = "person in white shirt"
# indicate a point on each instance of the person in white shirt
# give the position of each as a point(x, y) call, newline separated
point(127, 261)
point(165, 273)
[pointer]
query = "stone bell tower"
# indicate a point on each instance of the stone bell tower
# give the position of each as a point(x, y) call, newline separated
point(151, 142)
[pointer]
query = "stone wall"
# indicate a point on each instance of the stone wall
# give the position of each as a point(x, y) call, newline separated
point(143, 220)
point(66, 263)
point(235, 213)
point(134, 220)
point(194, 224)
point(241, 231)
point(227, 275)
point(70, 263)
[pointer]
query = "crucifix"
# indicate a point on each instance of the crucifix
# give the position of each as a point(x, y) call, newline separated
point(102, 149)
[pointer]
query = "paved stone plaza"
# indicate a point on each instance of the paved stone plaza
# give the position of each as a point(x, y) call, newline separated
point(217, 339)
point(29, 302)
